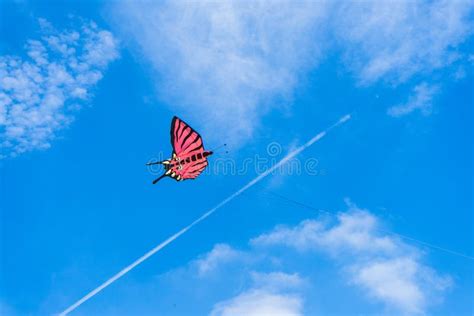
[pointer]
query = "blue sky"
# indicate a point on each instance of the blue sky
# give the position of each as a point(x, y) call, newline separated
point(87, 93)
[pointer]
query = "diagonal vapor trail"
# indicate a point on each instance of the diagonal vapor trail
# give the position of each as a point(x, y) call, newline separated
point(150, 253)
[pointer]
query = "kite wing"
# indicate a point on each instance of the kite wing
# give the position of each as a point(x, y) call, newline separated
point(189, 150)
point(193, 169)
point(184, 139)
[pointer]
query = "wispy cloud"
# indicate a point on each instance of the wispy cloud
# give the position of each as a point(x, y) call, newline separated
point(225, 62)
point(260, 303)
point(382, 266)
point(402, 282)
point(421, 99)
point(40, 92)
point(274, 293)
point(277, 281)
point(394, 40)
point(230, 58)
point(276, 275)
point(220, 254)
point(388, 269)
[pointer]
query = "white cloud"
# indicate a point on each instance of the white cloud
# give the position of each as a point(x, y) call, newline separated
point(401, 281)
point(260, 303)
point(387, 268)
point(276, 281)
point(221, 253)
point(421, 99)
point(296, 270)
point(272, 293)
point(223, 62)
point(391, 280)
point(39, 93)
point(396, 39)
point(381, 265)
point(268, 293)
point(354, 233)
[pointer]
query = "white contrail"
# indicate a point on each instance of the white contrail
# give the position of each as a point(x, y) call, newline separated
point(204, 216)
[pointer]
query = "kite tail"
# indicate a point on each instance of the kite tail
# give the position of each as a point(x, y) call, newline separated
point(158, 179)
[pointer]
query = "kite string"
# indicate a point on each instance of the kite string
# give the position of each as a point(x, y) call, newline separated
point(150, 253)
point(412, 239)
point(219, 147)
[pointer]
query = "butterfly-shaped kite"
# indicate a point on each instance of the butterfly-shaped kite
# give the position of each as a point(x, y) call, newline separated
point(189, 158)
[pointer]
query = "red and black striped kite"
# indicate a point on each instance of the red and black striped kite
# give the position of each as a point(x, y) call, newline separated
point(189, 158)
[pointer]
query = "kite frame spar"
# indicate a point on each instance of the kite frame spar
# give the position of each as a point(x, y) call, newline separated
point(250, 184)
